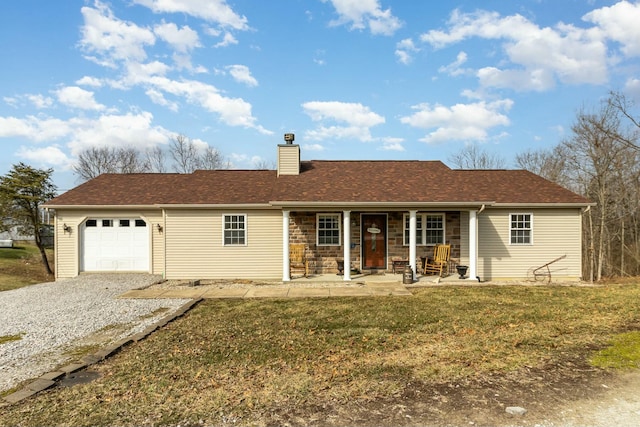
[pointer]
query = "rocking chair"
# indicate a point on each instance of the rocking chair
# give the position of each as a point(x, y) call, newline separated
point(440, 262)
point(298, 259)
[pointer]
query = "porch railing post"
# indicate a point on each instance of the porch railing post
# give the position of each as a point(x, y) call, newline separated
point(412, 242)
point(473, 244)
point(285, 247)
point(346, 241)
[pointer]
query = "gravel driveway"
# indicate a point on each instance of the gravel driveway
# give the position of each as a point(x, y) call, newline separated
point(53, 318)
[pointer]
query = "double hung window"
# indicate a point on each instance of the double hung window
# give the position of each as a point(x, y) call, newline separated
point(430, 229)
point(521, 229)
point(328, 229)
point(235, 230)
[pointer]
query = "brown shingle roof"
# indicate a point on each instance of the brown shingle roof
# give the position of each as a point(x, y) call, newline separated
point(200, 187)
point(323, 181)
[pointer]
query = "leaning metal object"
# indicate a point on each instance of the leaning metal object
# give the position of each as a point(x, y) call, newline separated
point(538, 274)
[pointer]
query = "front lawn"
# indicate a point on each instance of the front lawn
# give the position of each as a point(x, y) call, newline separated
point(270, 362)
point(22, 265)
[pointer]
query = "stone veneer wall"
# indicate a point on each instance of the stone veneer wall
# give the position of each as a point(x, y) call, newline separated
point(323, 259)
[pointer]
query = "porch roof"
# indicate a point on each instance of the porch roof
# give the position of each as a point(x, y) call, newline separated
point(323, 182)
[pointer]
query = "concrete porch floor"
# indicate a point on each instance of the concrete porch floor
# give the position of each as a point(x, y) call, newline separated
point(315, 286)
point(380, 277)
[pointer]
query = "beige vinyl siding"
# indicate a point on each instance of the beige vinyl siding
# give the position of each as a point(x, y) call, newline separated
point(555, 232)
point(67, 245)
point(195, 250)
point(288, 159)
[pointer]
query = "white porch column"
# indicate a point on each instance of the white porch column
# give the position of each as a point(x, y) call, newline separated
point(285, 247)
point(473, 245)
point(412, 242)
point(346, 241)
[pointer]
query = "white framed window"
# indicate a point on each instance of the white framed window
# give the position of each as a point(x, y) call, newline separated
point(234, 230)
point(430, 229)
point(328, 229)
point(521, 228)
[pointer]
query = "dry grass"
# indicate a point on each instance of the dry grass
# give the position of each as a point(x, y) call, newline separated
point(259, 362)
point(22, 266)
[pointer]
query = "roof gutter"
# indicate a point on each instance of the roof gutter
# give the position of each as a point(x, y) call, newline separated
point(542, 205)
point(378, 205)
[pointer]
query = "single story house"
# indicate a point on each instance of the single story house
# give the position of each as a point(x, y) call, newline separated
point(225, 224)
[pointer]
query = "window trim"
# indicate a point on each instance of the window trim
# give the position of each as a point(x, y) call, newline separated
point(338, 216)
point(224, 229)
point(530, 229)
point(423, 230)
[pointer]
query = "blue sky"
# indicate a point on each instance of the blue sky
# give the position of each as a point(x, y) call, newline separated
point(353, 79)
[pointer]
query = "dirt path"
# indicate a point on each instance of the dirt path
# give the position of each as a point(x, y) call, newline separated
point(617, 405)
point(562, 396)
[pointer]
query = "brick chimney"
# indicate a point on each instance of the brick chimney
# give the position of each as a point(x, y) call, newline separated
point(288, 156)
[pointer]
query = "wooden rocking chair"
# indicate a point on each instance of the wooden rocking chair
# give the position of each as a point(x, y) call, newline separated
point(298, 259)
point(440, 262)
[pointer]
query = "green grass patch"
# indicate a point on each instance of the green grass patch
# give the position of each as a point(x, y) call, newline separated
point(255, 361)
point(622, 353)
point(9, 338)
point(22, 266)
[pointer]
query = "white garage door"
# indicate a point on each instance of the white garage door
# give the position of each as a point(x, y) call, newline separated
point(115, 245)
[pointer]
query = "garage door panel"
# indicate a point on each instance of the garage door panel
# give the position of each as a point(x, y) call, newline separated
point(115, 245)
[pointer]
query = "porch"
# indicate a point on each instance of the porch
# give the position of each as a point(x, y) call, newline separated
point(368, 278)
point(378, 244)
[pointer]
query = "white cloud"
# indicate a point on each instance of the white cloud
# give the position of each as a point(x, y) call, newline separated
point(76, 97)
point(158, 98)
point(404, 49)
point(227, 40)
point(181, 39)
point(78, 133)
point(454, 69)
point(392, 144)
point(112, 39)
point(138, 73)
point(37, 100)
point(351, 113)
point(619, 23)
point(50, 156)
point(40, 101)
point(34, 128)
point(217, 11)
point(632, 87)
point(232, 111)
point(123, 130)
point(365, 13)
point(89, 81)
point(466, 122)
point(313, 147)
point(242, 74)
point(358, 119)
point(539, 56)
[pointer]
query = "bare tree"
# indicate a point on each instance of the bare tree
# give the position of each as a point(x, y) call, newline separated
point(594, 158)
point(155, 159)
point(264, 165)
point(98, 160)
point(187, 157)
point(549, 164)
point(472, 157)
point(184, 154)
point(619, 102)
point(211, 158)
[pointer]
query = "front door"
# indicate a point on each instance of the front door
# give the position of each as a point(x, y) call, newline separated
point(374, 241)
